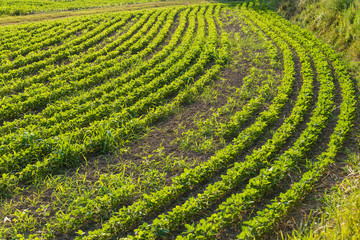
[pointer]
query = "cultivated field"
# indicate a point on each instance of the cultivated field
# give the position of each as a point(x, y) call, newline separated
point(208, 121)
point(24, 7)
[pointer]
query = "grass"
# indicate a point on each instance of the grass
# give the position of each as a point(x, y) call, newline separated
point(336, 21)
point(340, 216)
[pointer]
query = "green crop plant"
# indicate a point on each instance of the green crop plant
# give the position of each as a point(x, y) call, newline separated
point(163, 123)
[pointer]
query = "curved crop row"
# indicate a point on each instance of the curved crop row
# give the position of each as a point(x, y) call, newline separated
point(11, 48)
point(232, 208)
point(45, 75)
point(61, 126)
point(241, 171)
point(105, 82)
point(77, 217)
point(15, 106)
point(265, 219)
point(61, 111)
point(229, 128)
point(12, 36)
point(188, 179)
point(142, 105)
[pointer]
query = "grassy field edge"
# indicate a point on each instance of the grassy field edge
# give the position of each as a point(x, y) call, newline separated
point(338, 211)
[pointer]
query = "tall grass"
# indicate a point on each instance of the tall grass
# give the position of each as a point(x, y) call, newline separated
point(337, 21)
point(341, 216)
